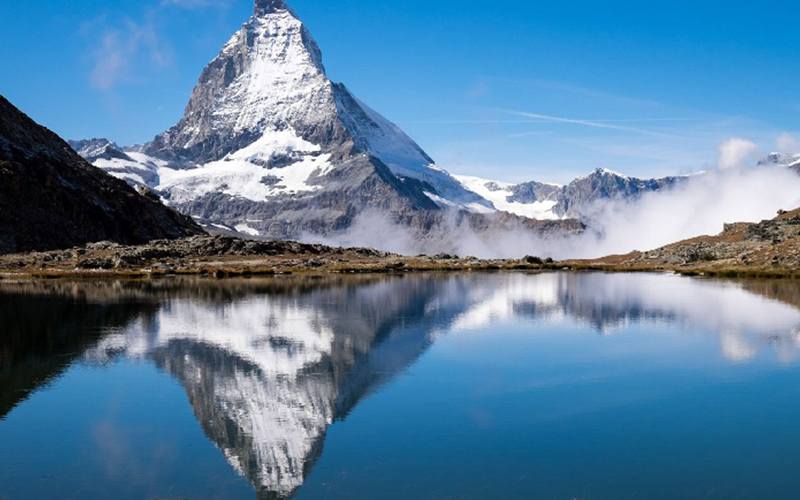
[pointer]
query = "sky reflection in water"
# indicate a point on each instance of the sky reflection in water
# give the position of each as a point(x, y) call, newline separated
point(470, 386)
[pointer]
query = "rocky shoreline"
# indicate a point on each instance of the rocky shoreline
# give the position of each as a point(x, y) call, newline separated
point(768, 249)
point(221, 256)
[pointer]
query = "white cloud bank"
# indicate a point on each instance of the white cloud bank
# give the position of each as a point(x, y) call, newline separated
point(699, 206)
point(735, 153)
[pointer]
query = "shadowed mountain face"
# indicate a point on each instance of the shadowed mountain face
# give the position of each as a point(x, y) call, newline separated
point(51, 198)
point(270, 365)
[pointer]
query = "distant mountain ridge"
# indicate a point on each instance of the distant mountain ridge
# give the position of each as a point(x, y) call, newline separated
point(51, 198)
point(535, 200)
point(787, 160)
point(550, 201)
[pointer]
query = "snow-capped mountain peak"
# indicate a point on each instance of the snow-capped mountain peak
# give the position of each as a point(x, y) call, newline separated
point(791, 160)
point(268, 77)
point(267, 141)
point(264, 7)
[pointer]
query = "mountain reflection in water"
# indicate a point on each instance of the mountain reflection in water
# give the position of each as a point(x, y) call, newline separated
point(270, 365)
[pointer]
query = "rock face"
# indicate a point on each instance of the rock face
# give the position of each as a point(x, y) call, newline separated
point(768, 247)
point(52, 198)
point(787, 160)
point(269, 147)
point(605, 184)
point(575, 200)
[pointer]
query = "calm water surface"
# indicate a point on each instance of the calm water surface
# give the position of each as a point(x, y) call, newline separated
point(507, 386)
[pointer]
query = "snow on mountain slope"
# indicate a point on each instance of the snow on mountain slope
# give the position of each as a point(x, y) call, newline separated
point(133, 167)
point(243, 174)
point(789, 160)
point(549, 201)
point(270, 147)
point(501, 194)
point(269, 76)
point(385, 140)
point(269, 79)
point(136, 168)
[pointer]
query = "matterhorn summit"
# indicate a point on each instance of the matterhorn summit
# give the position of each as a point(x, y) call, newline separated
point(269, 147)
point(264, 7)
point(267, 84)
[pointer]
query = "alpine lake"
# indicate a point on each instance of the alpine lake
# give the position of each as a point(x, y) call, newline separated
point(553, 386)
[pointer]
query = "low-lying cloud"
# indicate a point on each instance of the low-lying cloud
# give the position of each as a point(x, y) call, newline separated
point(698, 206)
point(736, 152)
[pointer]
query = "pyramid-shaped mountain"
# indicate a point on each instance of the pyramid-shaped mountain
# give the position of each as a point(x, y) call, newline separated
point(270, 147)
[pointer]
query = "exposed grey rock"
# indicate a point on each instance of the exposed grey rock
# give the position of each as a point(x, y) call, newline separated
point(788, 160)
point(531, 192)
point(576, 200)
point(52, 198)
point(99, 149)
point(604, 184)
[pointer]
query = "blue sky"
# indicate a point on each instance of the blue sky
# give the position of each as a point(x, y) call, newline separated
point(511, 90)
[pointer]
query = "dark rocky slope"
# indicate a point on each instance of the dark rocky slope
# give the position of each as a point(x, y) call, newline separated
point(52, 198)
point(768, 248)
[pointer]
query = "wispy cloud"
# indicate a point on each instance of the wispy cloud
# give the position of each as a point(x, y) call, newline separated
point(121, 49)
point(590, 94)
point(120, 45)
point(736, 152)
point(588, 123)
point(527, 134)
point(479, 90)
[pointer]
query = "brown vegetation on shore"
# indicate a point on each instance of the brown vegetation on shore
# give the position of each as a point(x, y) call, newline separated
point(220, 257)
point(768, 249)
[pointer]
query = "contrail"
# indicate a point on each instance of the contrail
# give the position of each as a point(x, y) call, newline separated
point(587, 123)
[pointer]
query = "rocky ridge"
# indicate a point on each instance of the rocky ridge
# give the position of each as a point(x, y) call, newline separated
point(574, 200)
point(769, 247)
point(221, 256)
point(50, 197)
point(270, 147)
